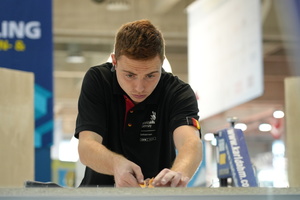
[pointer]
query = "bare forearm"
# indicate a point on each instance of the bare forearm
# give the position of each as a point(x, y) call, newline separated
point(98, 157)
point(188, 158)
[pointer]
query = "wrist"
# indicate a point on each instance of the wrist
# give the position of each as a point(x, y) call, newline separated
point(116, 160)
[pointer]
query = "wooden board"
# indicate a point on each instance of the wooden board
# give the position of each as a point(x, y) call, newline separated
point(292, 110)
point(16, 127)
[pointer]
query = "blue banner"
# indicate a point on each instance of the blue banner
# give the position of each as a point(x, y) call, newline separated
point(234, 159)
point(26, 44)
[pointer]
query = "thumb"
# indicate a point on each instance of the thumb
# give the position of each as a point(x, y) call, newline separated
point(138, 174)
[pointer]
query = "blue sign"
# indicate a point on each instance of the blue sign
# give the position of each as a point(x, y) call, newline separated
point(26, 44)
point(234, 159)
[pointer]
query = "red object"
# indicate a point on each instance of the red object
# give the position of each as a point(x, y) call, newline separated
point(277, 127)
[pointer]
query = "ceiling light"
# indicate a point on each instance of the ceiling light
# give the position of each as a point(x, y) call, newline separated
point(265, 127)
point(75, 59)
point(278, 114)
point(241, 126)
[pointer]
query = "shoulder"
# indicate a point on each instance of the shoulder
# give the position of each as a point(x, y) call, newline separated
point(175, 90)
point(173, 83)
point(103, 69)
point(98, 77)
point(99, 73)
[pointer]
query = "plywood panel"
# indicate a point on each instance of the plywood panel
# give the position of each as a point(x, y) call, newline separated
point(16, 127)
point(292, 109)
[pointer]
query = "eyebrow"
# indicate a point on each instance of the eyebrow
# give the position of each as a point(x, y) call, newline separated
point(135, 74)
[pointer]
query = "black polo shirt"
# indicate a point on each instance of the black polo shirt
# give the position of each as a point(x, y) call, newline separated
point(146, 137)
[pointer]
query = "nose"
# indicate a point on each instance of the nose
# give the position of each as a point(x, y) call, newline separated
point(139, 85)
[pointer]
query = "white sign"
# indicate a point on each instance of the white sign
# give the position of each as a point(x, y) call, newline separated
point(224, 53)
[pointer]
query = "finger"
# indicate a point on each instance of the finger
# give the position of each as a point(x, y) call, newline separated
point(137, 173)
point(127, 181)
point(159, 177)
point(168, 178)
point(175, 181)
point(134, 182)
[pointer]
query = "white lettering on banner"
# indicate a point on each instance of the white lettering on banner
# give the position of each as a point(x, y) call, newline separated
point(20, 30)
point(238, 159)
point(231, 164)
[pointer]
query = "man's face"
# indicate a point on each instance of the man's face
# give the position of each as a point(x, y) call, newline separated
point(138, 78)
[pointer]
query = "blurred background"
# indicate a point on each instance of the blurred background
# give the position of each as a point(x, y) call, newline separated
point(83, 36)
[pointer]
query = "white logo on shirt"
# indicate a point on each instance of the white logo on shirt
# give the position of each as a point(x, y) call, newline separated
point(148, 124)
point(148, 130)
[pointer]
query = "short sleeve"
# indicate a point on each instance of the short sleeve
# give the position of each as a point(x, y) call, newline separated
point(91, 104)
point(184, 108)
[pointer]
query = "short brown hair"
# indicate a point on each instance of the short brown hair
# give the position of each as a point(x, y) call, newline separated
point(139, 40)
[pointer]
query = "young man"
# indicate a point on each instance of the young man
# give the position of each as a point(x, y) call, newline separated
point(132, 116)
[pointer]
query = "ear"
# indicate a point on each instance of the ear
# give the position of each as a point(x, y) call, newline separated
point(113, 59)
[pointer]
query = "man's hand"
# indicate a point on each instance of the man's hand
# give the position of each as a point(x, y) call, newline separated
point(127, 173)
point(96, 156)
point(169, 178)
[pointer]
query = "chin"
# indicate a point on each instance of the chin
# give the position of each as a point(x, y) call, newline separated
point(136, 101)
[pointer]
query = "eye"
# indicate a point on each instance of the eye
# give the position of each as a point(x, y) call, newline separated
point(150, 76)
point(130, 76)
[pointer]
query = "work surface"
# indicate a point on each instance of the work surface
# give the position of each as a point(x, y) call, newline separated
point(152, 193)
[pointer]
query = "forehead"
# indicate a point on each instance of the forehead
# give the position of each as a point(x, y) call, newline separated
point(139, 66)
